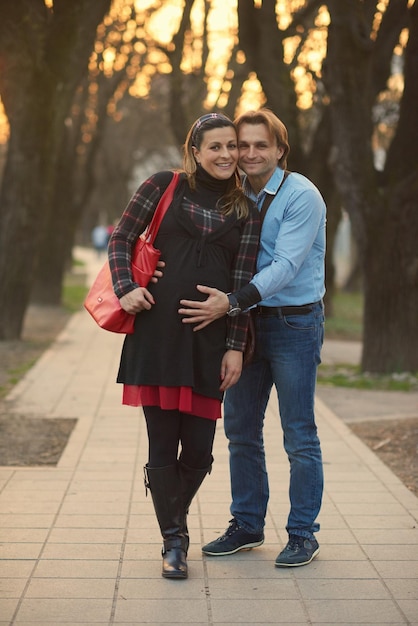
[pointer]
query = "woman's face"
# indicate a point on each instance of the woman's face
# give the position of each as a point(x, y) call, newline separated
point(218, 152)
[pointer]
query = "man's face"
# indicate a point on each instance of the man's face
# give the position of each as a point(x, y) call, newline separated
point(258, 152)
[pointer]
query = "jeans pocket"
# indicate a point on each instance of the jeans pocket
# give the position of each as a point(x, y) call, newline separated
point(299, 322)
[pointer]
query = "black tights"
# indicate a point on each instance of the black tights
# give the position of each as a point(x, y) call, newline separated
point(168, 429)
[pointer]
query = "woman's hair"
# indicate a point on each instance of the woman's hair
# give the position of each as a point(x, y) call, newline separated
point(234, 198)
point(275, 127)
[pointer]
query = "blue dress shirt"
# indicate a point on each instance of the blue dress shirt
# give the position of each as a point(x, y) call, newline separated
point(291, 257)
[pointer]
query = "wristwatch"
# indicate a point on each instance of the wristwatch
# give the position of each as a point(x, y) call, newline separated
point(234, 307)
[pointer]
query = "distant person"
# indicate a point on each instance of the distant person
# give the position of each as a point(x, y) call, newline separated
point(289, 325)
point(100, 239)
point(209, 234)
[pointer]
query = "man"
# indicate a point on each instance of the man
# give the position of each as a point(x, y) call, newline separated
point(288, 289)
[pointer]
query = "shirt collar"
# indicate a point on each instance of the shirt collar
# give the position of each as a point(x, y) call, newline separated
point(270, 187)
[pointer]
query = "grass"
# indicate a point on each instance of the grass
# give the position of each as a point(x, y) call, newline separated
point(343, 375)
point(73, 295)
point(18, 372)
point(347, 324)
point(347, 319)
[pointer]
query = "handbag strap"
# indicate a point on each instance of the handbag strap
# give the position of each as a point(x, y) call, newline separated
point(163, 204)
point(270, 197)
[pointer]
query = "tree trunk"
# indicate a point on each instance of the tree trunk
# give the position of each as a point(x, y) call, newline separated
point(384, 219)
point(44, 55)
point(391, 297)
point(262, 43)
point(391, 285)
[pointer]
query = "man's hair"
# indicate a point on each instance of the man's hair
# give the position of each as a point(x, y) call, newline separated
point(275, 127)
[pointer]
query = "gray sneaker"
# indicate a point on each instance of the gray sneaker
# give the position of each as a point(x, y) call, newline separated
point(299, 551)
point(234, 539)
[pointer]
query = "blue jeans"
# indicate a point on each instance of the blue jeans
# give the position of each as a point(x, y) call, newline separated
point(287, 355)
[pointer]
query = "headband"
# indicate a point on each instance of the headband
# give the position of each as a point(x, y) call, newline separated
point(206, 118)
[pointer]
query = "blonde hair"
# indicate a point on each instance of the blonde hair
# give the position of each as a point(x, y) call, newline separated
point(234, 198)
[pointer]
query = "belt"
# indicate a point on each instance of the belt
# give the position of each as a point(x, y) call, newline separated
point(304, 309)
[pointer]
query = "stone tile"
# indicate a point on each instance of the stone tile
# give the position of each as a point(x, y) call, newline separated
point(86, 535)
point(179, 623)
point(16, 568)
point(101, 485)
point(23, 508)
point(7, 608)
point(22, 535)
point(162, 610)
point(341, 552)
point(389, 552)
point(336, 569)
point(57, 610)
point(49, 484)
point(257, 610)
point(402, 588)
point(354, 612)
point(20, 550)
point(149, 569)
point(153, 589)
point(387, 537)
point(398, 569)
point(11, 587)
point(20, 623)
point(76, 568)
point(89, 588)
point(341, 589)
point(372, 508)
point(94, 496)
point(26, 521)
point(229, 568)
point(372, 486)
point(410, 608)
point(254, 588)
point(368, 497)
point(90, 521)
point(111, 476)
point(78, 551)
point(94, 508)
point(15, 495)
point(380, 522)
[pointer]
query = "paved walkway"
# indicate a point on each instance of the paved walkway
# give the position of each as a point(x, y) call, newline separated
point(80, 543)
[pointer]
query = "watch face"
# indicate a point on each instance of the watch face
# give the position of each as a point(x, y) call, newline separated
point(234, 311)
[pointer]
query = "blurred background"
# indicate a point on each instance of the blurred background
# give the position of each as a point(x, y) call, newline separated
point(96, 96)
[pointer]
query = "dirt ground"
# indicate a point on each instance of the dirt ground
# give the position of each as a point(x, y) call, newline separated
point(29, 440)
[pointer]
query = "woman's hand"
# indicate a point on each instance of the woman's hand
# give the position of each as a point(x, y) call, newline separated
point(231, 368)
point(137, 300)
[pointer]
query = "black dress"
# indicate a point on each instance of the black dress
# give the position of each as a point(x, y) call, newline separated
point(199, 246)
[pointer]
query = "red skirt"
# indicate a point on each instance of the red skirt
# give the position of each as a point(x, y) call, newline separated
point(180, 398)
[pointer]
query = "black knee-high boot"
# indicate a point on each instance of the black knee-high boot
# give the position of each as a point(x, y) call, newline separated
point(190, 479)
point(164, 484)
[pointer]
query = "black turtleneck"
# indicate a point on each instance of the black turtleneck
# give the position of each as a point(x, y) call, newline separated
point(208, 189)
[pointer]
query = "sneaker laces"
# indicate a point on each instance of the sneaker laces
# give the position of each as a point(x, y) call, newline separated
point(232, 528)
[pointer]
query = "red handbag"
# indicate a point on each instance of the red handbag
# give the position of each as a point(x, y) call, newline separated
point(101, 301)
